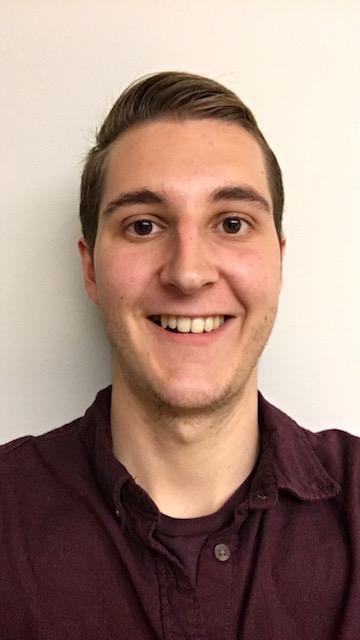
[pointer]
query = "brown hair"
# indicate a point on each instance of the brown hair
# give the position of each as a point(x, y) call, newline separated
point(176, 95)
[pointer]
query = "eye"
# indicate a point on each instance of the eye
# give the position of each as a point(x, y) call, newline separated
point(142, 227)
point(234, 225)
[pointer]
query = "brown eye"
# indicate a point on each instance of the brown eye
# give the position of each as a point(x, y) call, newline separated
point(233, 225)
point(142, 227)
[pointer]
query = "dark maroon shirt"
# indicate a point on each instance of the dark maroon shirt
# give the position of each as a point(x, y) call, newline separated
point(86, 555)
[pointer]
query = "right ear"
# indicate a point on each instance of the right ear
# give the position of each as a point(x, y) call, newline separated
point(88, 270)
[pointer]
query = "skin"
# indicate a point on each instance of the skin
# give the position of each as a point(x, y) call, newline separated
point(188, 401)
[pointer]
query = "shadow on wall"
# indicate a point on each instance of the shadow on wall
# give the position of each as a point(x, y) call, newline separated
point(54, 351)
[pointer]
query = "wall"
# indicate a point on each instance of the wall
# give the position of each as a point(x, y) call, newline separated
point(62, 64)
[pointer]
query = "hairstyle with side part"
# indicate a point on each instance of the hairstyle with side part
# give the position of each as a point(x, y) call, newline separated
point(169, 95)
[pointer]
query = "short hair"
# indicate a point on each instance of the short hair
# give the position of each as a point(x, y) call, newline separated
point(169, 95)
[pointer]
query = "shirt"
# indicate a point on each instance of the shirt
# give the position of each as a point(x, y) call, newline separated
point(185, 537)
point(80, 558)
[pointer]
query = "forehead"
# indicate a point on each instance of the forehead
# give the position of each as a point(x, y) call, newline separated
point(185, 158)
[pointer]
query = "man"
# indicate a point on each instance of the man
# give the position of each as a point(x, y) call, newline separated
point(182, 505)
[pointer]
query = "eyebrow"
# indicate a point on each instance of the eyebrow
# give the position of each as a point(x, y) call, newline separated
point(243, 193)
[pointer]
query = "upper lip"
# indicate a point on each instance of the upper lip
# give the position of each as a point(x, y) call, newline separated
point(190, 315)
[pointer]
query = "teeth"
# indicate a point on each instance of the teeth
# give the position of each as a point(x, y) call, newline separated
point(197, 325)
point(192, 325)
point(171, 322)
point(183, 325)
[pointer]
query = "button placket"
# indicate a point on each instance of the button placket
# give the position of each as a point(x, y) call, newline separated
point(215, 581)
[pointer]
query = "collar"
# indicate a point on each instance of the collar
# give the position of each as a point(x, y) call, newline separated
point(286, 462)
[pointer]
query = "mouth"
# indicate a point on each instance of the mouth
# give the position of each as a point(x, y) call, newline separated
point(187, 324)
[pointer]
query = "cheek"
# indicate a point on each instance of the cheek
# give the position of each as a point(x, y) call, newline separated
point(256, 277)
point(119, 279)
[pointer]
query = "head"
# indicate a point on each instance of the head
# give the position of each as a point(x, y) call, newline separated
point(177, 96)
point(181, 209)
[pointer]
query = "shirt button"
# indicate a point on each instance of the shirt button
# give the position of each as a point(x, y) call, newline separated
point(222, 552)
point(262, 496)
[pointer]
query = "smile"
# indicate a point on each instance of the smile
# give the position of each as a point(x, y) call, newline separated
point(185, 324)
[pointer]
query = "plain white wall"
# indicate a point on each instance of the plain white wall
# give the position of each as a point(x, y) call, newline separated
point(62, 64)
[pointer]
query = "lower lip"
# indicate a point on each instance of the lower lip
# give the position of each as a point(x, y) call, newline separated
point(193, 339)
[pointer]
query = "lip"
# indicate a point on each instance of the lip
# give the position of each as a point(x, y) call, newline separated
point(190, 315)
point(191, 339)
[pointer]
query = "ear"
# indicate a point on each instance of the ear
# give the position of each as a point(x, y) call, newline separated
point(282, 254)
point(88, 270)
point(282, 246)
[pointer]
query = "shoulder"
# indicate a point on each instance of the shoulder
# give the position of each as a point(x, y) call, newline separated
point(306, 459)
point(338, 451)
point(25, 444)
point(34, 458)
point(62, 456)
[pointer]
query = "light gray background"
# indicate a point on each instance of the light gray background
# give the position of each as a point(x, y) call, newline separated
point(62, 64)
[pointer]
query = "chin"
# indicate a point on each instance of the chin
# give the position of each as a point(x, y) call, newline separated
point(190, 398)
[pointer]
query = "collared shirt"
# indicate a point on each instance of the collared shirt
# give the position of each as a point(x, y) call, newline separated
point(81, 558)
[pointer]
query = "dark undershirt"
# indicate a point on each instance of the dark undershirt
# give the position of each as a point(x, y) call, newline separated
point(184, 537)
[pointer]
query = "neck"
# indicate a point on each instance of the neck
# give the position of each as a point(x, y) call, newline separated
point(188, 464)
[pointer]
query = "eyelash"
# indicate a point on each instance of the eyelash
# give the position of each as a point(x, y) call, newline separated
point(145, 235)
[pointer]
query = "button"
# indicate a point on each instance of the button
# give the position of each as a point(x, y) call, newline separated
point(117, 513)
point(262, 496)
point(222, 552)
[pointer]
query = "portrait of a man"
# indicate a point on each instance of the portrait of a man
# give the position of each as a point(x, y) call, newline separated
point(182, 504)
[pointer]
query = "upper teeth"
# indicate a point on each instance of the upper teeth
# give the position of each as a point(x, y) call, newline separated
point(192, 325)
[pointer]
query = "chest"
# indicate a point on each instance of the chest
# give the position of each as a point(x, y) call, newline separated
point(288, 572)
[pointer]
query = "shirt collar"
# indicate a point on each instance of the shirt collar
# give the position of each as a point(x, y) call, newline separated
point(96, 433)
point(286, 462)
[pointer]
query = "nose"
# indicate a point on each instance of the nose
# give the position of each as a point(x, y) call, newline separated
point(189, 263)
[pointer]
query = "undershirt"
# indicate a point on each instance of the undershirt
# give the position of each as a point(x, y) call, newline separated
point(184, 537)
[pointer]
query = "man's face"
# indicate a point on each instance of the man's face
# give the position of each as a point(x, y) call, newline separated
point(192, 237)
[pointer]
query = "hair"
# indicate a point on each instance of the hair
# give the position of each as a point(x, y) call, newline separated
point(169, 95)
